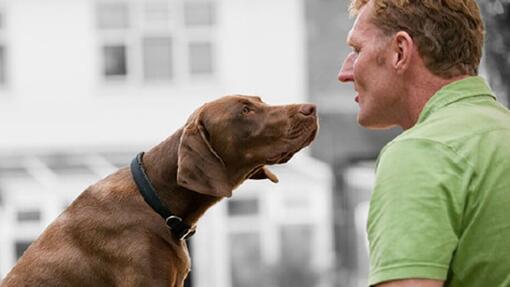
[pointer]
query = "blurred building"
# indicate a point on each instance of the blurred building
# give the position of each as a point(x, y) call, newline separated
point(85, 85)
point(497, 46)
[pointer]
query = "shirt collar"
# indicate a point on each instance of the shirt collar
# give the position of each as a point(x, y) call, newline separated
point(455, 91)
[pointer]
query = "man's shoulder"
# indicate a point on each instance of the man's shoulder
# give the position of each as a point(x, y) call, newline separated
point(461, 121)
point(459, 131)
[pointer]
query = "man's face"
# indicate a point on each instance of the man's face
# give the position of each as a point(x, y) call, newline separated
point(368, 66)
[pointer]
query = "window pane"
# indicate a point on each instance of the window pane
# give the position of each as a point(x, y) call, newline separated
point(243, 207)
point(157, 13)
point(157, 58)
point(118, 159)
point(13, 172)
point(2, 65)
point(115, 62)
point(64, 164)
point(20, 247)
point(199, 14)
point(200, 58)
point(246, 261)
point(296, 254)
point(29, 216)
point(112, 15)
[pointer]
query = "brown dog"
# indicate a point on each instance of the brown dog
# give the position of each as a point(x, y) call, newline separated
point(109, 236)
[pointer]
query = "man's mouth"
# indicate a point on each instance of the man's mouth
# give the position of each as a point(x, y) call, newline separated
point(356, 99)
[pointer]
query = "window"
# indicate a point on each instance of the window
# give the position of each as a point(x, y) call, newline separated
point(118, 159)
point(113, 20)
point(198, 13)
point(2, 64)
point(28, 216)
point(238, 207)
point(114, 15)
point(20, 246)
point(157, 58)
point(156, 40)
point(296, 254)
point(115, 61)
point(200, 58)
point(296, 243)
point(62, 164)
point(157, 14)
point(3, 53)
point(246, 260)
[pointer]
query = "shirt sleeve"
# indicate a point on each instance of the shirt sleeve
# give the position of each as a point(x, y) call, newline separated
point(415, 211)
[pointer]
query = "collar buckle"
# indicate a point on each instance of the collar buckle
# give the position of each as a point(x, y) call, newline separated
point(188, 234)
point(179, 228)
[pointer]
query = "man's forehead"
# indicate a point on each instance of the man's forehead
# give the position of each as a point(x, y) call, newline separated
point(355, 32)
point(362, 26)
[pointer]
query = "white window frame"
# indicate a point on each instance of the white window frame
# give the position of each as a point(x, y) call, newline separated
point(3, 44)
point(132, 38)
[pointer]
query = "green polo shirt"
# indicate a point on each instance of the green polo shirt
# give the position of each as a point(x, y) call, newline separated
point(440, 208)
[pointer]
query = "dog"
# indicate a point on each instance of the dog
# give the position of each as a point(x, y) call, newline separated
point(129, 229)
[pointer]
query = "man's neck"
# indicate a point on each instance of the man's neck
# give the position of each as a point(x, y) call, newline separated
point(420, 90)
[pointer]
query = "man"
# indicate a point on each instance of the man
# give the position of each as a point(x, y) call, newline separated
point(440, 210)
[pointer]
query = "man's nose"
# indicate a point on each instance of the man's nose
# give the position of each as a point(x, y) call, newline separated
point(346, 72)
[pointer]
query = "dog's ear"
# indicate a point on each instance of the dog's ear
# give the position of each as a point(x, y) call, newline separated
point(264, 173)
point(200, 168)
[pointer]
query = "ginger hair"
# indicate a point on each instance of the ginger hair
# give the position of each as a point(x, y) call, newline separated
point(449, 34)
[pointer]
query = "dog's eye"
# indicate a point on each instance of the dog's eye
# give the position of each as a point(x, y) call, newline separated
point(246, 110)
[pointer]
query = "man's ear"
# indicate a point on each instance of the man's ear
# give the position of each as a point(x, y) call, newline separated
point(403, 49)
point(264, 173)
point(200, 168)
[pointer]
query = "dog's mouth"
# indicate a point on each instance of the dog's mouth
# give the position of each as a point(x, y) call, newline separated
point(297, 141)
point(281, 158)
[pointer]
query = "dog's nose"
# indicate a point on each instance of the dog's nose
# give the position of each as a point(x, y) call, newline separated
point(308, 109)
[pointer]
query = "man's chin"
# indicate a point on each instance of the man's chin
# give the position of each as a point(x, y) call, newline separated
point(373, 124)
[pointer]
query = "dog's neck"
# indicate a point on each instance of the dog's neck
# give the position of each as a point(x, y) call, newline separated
point(160, 164)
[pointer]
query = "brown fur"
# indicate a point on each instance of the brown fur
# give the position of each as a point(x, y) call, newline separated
point(110, 237)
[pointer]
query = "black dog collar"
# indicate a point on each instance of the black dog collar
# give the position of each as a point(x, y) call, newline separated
point(180, 229)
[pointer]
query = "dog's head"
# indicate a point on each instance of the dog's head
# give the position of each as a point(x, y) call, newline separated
point(232, 139)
